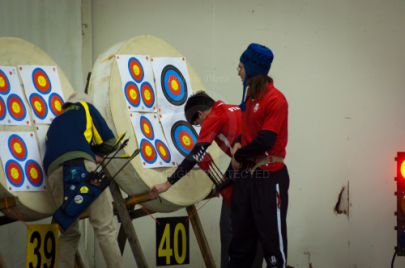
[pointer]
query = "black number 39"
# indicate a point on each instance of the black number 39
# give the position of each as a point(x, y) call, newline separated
point(48, 248)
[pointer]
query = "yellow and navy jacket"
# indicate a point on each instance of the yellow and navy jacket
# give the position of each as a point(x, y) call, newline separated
point(79, 132)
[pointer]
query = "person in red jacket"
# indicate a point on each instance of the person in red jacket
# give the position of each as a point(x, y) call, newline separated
point(221, 123)
point(260, 196)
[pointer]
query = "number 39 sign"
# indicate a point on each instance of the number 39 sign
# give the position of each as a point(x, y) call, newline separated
point(42, 245)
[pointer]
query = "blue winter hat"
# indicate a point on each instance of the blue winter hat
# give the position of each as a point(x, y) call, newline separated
point(257, 60)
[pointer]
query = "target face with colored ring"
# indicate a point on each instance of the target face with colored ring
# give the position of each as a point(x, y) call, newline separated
point(55, 103)
point(163, 151)
point(174, 85)
point(4, 83)
point(3, 109)
point(17, 147)
point(14, 173)
point(148, 152)
point(34, 173)
point(38, 105)
point(135, 69)
point(148, 95)
point(41, 81)
point(184, 137)
point(147, 128)
point(16, 107)
point(132, 94)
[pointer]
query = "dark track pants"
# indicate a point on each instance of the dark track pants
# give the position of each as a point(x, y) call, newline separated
point(225, 226)
point(259, 210)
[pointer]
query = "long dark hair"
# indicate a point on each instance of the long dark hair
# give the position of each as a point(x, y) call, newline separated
point(257, 85)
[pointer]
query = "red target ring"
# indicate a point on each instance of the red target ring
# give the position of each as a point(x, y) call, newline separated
point(132, 94)
point(135, 69)
point(4, 83)
point(148, 152)
point(14, 173)
point(55, 104)
point(147, 128)
point(16, 107)
point(38, 105)
point(3, 109)
point(17, 147)
point(34, 173)
point(163, 151)
point(41, 81)
point(148, 96)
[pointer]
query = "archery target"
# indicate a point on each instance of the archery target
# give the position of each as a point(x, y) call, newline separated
point(14, 173)
point(132, 94)
point(174, 86)
point(16, 107)
point(135, 69)
point(184, 137)
point(55, 103)
point(41, 81)
point(163, 151)
point(147, 128)
point(148, 95)
point(17, 147)
point(4, 83)
point(148, 152)
point(13, 107)
point(34, 173)
point(44, 91)
point(137, 82)
point(38, 105)
point(3, 109)
point(22, 148)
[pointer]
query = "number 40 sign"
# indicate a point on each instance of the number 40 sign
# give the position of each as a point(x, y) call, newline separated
point(42, 245)
point(172, 241)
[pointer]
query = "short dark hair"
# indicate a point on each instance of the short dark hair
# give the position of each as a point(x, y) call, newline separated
point(198, 102)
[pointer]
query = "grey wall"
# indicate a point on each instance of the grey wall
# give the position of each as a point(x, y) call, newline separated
point(341, 65)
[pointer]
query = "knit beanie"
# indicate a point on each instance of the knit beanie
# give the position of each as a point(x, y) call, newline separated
point(256, 60)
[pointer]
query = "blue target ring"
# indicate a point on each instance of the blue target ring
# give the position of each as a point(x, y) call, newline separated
point(41, 81)
point(184, 137)
point(14, 173)
point(34, 173)
point(16, 108)
point(174, 85)
point(38, 105)
point(163, 151)
point(148, 151)
point(135, 69)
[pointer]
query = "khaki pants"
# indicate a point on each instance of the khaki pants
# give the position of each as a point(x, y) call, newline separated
point(101, 218)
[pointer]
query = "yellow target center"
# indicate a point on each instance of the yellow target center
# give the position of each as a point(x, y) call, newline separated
point(186, 140)
point(133, 94)
point(38, 106)
point(147, 95)
point(147, 129)
point(58, 105)
point(148, 151)
point(402, 169)
point(18, 148)
point(42, 81)
point(174, 85)
point(162, 151)
point(2, 82)
point(16, 108)
point(34, 173)
point(14, 173)
point(136, 70)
